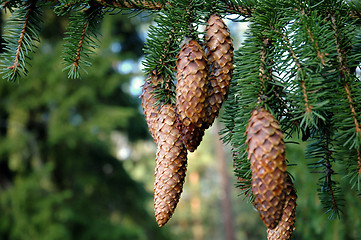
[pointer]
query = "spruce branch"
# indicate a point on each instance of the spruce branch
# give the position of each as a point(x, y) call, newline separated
point(21, 34)
point(347, 111)
point(254, 84)
point(243, 8)
point(175, 21)
point(10, 5)
point(352, 108)
point(321, 150)
point(329, 185)
point(242, 170)
point(263, 77)
point(161, 48)
point(343, 49)
point(134, 4)
point(341, 57)
point(359, 162)
point(301, 72)
point(314, 42)
point(82, 38)
point(303, 62)
point(232, 7)
point(67, 6)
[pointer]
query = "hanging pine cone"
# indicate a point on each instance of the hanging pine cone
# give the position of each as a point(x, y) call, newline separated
point(148, 103)
point(286, 226)
point(191, 93)
point(171, 162)
point(219, 51)
point(266, 151)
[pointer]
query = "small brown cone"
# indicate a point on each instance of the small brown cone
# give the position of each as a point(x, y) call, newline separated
point(286, 226)
point(191, 93)
point(171, 163)
point(219, 51)
point(266, 151)
point(150, 110)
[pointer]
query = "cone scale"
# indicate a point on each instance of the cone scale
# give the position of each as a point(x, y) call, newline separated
point(286, 226)
point(171, 163)
point(219, 51)
point(191, 93)
point(150, 109)
point(266, 151)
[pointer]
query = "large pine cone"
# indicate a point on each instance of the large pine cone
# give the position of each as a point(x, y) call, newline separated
point(171, 163)
point(286, 226)
point(148, 103)
point(266, 151)
point(191, 93)
point(219, 51)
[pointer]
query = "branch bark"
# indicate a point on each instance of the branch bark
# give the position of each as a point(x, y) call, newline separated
point(151, 5)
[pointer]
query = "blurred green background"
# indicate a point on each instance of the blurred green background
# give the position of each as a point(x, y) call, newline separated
point(77, 161)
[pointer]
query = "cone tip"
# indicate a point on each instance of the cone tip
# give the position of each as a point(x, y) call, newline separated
point(162, 218)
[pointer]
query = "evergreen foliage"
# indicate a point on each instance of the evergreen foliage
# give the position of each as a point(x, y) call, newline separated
point(59, 178)
point(300, 61)
point(24, 23)
point(82, 36)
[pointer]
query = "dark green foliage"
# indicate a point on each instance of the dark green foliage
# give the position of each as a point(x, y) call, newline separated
point(20, 35)
point(10, 5)
point(254, 84)
point(175, 22)
point(300, 61)
point(82, 38)
point(320, 150)
point(67, 6)
point(58, 176)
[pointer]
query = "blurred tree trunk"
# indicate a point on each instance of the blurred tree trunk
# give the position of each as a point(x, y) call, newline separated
point(225, 187)
point(195, 205)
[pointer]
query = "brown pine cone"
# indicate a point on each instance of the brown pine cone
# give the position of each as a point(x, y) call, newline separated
point(171, 163)
point(219, 51)
point(266, 151)
point(191, 93)
point(150, 110)
point(286, 226)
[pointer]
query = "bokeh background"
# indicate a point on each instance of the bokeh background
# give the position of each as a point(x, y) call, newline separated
point(77, 161)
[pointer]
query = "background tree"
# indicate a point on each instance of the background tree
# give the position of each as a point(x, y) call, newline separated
point(299, 62)
point(59, 178)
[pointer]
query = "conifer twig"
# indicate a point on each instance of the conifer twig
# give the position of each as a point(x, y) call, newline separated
point(20, 36)
point(135, 4)
point(320, 55)
point(21, 41)
point(358, 162)
point(345, 71)
point(300, 70)
point(329, 171)
point(152, 5)
point(81, 41)
point(353, 111)
point(262, 72)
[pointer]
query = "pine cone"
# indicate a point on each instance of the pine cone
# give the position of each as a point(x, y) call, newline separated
point(266, 151)
point(219, 51)
point(171, 163)
point(148, 103)
point(191, 93)
point(286, 226)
